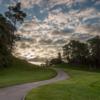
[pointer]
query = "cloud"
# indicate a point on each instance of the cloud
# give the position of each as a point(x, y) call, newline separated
point(45, 41)
point(97, 2)
point(49, 3)
point(89, 29)
point(82, 37)
point(93, 29)
point(81, 22)
point(29, 3)
point(86, 13)
point(0, 1)
point(57, 18)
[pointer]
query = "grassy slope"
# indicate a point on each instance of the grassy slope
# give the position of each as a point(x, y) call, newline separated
point(82, 85)
point(22, 72)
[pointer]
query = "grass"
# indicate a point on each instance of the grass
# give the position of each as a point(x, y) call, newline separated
point(82, 85)
point(23, 72)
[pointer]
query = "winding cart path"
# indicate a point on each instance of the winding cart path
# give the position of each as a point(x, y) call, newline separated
point(18, 92)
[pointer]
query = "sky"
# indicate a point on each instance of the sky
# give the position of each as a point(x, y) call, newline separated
point(52, 23)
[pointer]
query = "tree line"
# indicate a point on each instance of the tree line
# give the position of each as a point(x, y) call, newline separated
point(83, 53)
point(74, 52)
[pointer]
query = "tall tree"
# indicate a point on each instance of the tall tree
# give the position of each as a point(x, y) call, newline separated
point(15, 15)
point(7, 29)
point(76, 52)
point(94, 47)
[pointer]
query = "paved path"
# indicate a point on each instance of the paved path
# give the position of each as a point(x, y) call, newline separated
point(18, 92)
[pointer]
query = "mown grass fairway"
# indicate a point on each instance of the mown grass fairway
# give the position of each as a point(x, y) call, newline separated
point(22, 72)
point(82, 85)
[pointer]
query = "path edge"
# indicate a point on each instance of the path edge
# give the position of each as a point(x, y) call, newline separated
point(23, 98)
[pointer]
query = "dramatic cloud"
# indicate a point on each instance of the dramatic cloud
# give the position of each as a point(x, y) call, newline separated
point(50, 3)
point(93, 29)
point(51, 23)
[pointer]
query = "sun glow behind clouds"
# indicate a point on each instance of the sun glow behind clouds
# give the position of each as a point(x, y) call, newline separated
point(51, 23)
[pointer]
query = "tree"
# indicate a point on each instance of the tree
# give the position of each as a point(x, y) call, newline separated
point(59, 56)
point(94, 47)
point(57, 60)
point(7, 29)
point(83, 53)
point(14, 15)
point(76, 52)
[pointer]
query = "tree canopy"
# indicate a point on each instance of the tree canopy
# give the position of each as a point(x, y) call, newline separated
point(7, 29)
point(87, 53)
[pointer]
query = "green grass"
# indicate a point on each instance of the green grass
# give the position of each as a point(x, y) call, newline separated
point(82, 85)
point(23, 72)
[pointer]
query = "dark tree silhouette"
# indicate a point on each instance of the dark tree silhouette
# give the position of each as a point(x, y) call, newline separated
point(76, 52)
point(7, 29)
point(83, 53)
point(94, 46)
point(15, 14)
point(57, 60)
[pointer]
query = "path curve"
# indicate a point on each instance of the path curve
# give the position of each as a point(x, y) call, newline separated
point(18, 92)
